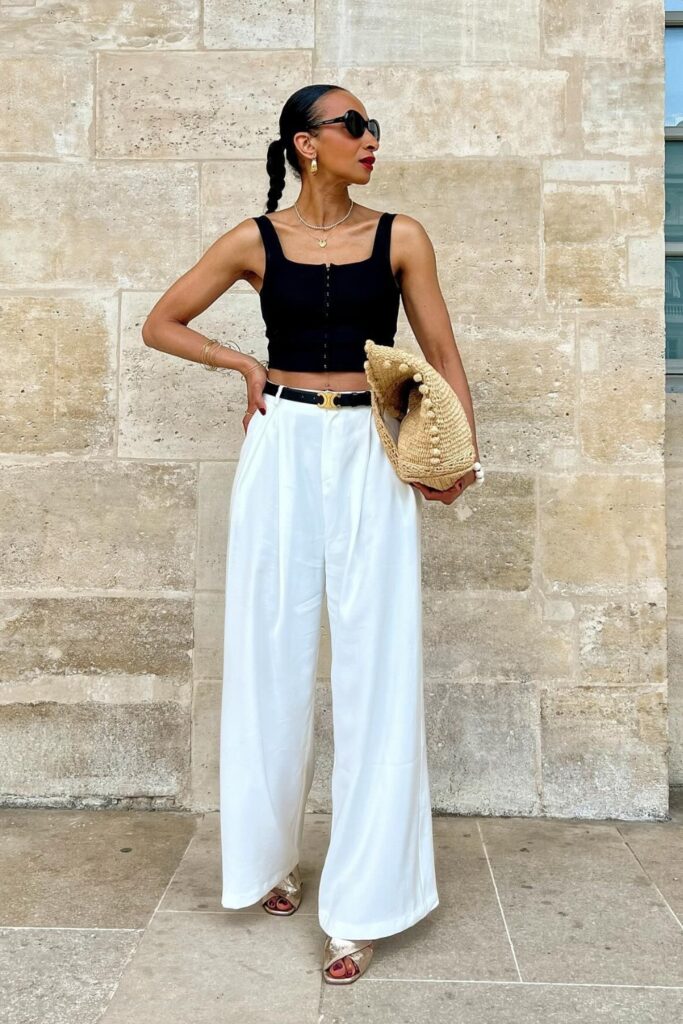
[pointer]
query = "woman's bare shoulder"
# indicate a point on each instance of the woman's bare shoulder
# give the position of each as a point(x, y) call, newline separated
point(409, 225)
point(239, 246)
point(410, 241)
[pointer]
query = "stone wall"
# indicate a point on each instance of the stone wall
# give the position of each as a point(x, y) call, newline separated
point(674, 534)
point(527, 138)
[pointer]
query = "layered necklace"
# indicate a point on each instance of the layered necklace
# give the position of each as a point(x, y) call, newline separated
point(322, 242)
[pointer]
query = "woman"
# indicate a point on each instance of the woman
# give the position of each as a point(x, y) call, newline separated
point(317, 507)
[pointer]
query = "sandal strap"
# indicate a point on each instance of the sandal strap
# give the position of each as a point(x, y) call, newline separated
point(337, 949)
point(289, 887)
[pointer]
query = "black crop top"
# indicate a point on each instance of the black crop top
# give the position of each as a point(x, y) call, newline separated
point(319, 315)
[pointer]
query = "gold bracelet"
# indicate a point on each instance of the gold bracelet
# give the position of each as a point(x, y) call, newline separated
point(258, 365)
point(210, 346)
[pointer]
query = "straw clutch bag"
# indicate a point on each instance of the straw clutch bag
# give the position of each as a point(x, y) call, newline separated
point(434, 444)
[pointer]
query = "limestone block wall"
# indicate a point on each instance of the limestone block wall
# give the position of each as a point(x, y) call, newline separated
point(527, 138)
point(674, 532)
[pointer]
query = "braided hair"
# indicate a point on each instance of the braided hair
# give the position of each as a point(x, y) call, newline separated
point(297, 115)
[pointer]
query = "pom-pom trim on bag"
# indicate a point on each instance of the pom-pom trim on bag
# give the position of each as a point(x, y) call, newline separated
point(435, 446)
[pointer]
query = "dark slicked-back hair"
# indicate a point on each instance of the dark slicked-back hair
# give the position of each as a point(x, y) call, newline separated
point(298, 114)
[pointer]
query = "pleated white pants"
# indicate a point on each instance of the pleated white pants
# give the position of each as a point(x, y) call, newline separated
point(317, 507)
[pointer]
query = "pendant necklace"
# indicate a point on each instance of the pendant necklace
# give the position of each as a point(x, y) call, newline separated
point(322, 242)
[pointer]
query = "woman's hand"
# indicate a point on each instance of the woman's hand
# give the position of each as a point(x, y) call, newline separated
point(255, 377)
point(449, 496)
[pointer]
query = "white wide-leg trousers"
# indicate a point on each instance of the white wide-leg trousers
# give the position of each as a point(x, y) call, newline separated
point(317, 507)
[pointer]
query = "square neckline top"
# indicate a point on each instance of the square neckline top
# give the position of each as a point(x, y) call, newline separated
point(318, 315)
point(298, 263)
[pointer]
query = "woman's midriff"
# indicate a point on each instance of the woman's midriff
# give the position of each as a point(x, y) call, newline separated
point(352, 381)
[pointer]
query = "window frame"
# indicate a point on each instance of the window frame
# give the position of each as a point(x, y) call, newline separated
point(673, 367)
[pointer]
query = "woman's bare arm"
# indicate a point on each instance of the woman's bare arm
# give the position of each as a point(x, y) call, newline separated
point(222, 264)
point(426, 309)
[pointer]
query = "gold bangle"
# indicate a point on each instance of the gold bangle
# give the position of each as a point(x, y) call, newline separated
point(259, 365)
point(207, 348)
point(210, 346)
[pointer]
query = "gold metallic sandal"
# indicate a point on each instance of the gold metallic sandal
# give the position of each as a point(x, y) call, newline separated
point(360, 951)
point(291, 888)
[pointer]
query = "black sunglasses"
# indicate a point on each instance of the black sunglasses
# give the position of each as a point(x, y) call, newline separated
point(355, 124)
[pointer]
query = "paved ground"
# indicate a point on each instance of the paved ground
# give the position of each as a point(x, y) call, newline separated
point(115, 916)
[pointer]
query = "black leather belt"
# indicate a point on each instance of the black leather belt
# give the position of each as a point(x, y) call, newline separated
point(324, 399)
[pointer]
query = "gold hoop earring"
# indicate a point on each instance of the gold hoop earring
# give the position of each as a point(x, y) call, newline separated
point(314, 165)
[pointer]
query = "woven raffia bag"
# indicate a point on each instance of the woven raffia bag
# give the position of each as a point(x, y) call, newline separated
point(434, 446)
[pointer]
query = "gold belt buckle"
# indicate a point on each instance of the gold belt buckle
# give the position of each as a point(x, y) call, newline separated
point(328, 399)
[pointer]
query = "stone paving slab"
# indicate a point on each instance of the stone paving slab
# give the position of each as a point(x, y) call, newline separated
point(115, 916)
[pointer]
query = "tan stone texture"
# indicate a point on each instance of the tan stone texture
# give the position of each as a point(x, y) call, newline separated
point(278, 25)
point(82, 25)
point(595, 532)
point(623, 31)
point(58, 386)
point(46, 105)
point(479, 111)
point(96, 225)
point(527, 140)
point(181, 106)
point(426, 33)
point(76, 525)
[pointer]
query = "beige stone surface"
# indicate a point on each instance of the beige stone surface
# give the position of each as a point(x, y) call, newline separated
point(675, 695)
point(482, 637)
point(523, 382)
point(76, 525)
point(623, 643)
point(479, 111)
point(175, 106)
point(640, 204)
point(105, 648)
point(527, 139)
point(213, 511)
point(58, 386)
point(673, 438)
point(622, 106)
point(646, 262)
point(278, 25)
point(586, 170)
point(612, 339)
point(585, 275)
point(601, 747)
point(596, 531)
point(504, 505)
point(537, 920)
point(49, 25)
point(484, 221)
point(201, 789)
point(557, 879)
point(483, 744)
point(208, 634)
point(234, 189)
point(616, 428)
point(628, 30)
point(89, 872)
point(674, 509)
point(96, 225)
point(140, 748)
point(675, 593)
point(573, 213)
point(622, 407)
point(46, 106)
point(427, 32)
point(172, 408)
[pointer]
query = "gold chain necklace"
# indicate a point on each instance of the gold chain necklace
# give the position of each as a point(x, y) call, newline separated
point(322, 242)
